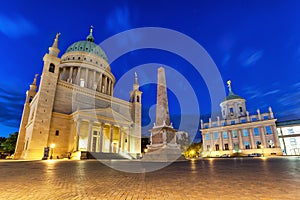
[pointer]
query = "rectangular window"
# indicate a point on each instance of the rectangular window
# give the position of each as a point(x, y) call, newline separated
point(206, 126)
point(266, 117)
point(235, 145)
point(232, 122)
point(224, 124)
point(208, 147)
point(293, 142)
point(226, 146)
point(243, 120)
point(214, 125)
point(207, 136)
point(268, 130)
point(234, 134)
point(217, 147)
point(225, 135)
point(256, 131)
point(290, 131)
point(247, 145)
point(57, 132)
point(254, 119)
point(245, 132)
point(95, 133)
point(216, 135)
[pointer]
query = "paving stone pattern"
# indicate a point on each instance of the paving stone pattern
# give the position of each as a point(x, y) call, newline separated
point(233, 178)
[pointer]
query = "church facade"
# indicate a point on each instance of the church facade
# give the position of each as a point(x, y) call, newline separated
point(239, 133)
point(74, 110)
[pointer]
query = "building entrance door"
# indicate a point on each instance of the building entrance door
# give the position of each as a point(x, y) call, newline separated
point(115, 147)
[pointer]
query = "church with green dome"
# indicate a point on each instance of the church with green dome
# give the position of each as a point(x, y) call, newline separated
point(72, 112)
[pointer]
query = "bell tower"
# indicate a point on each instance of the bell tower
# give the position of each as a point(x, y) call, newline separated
point(37, 132)
point(136, 113)
point(30, 94)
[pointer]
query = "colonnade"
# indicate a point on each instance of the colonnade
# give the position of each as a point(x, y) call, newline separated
point(102, 137)
point(87, 78)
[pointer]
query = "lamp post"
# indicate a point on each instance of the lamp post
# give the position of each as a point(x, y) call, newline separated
point(52, 150)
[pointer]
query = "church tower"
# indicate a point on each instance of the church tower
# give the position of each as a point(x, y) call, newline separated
point(37, 131)
point(30, 94)
point(135, 99)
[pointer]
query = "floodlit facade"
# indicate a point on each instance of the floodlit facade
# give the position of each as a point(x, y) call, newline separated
point(238, 132)
point(74, 111)
point(289, 136)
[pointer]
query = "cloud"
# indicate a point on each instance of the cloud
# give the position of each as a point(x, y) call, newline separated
point(290, 99)
point(119, 20)
point(16, 27)
point(250, 57)
point(11, 107)
point(271, 92)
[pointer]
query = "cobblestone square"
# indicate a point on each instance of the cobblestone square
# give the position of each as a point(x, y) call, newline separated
point(227, 178)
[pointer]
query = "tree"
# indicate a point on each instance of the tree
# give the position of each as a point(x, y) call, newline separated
point(194, 150)
point(2, 139)
point(9, 144)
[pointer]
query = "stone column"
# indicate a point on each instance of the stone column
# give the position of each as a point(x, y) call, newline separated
point(71, 75)
point(123, 139)
point(221, 140)
point(90, 135)
point(275, 135)
point(120, 140)
point(211, 136)
point(229, 140)
point(78, 125)
point(112, 89)
point(101, 137)
point(240, 139)
point(63, 73)
point(105, 85)
point(262, 137)
point(94, 83)
point(111, 138)
point(86, 78)
point(252, 142)
point(237, 111)
point(108, 88)
point(128, 140)
point(78, 76)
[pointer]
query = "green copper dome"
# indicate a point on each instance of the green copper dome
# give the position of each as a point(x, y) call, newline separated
point(232, 96)
point(88, 46)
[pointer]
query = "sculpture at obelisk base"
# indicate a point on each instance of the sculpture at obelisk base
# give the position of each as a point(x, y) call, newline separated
point(163, 144)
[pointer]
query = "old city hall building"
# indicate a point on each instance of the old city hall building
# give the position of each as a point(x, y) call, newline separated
point(74, 111)
point(238, 132)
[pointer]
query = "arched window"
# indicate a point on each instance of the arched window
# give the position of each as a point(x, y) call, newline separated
point(137, 99)
point(30, 98)
point(51, 68)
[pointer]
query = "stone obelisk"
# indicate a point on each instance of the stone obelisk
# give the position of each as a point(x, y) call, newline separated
point(162, 107)
point(163, 136)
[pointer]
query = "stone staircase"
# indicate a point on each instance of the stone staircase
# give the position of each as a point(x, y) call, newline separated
point(104, 156)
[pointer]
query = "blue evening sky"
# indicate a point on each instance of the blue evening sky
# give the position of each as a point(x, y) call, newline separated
point(254, 43)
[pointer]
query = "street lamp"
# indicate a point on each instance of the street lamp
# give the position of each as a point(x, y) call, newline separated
point(52, 149)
